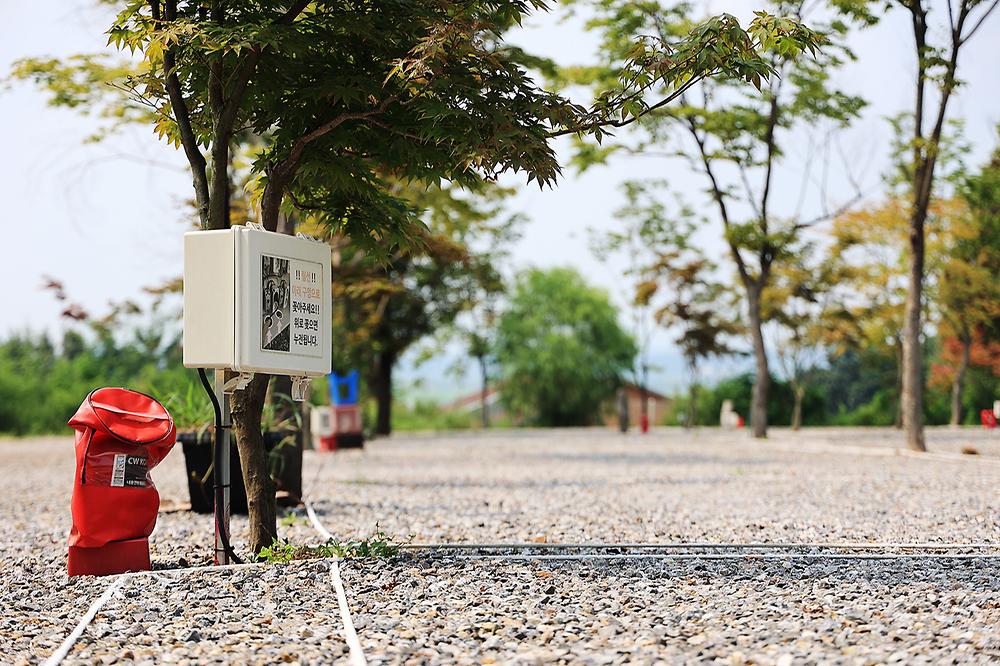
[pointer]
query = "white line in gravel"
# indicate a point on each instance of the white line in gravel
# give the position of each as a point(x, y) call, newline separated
point(699, 545)
point(67, 645)
point(357, 653)
point(314, 519)
point(116, 584)
point(732, 556)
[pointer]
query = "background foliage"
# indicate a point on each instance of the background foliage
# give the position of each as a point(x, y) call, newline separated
point(561, 349)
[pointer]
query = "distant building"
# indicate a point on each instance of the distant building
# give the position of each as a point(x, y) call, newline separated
point(657, 405)
point(472, 404)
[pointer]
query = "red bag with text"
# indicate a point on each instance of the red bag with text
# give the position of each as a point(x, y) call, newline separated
point(120, 436)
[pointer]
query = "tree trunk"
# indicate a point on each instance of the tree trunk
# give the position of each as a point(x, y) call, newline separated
point(219, 203)
point(913, 379)
point(692, 405)
point(286, 225)
point(898, 423)
point(484, 393)
point(270, 201)
point(799, 392)
point(247, 406)
point(643, 406)
point(382, 388)
point(959, 382)
point(762, 381)
point(621, 398)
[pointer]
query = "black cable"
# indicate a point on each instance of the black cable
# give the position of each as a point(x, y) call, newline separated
point(217, 470)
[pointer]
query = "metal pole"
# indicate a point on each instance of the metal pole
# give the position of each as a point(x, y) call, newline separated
point(220, 551)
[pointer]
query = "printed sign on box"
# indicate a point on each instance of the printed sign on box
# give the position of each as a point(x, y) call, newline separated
point(291, 303)
point(307, 301)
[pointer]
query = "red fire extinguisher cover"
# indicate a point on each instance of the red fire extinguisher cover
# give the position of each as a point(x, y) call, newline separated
point(120, 436)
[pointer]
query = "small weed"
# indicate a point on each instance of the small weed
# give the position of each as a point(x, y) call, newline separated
point(291, 519)
point(281, 552)
point(379, 544)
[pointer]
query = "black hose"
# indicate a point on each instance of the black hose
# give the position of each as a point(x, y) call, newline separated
point(219, 488)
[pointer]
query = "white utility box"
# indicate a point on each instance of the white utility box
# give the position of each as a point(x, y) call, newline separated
point(256, 301)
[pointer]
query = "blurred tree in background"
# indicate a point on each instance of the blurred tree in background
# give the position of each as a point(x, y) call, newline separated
point(387, 301)
point(921, 161)
point(42, 383)
point(675, 279)
point(871, 243)
point(968, 291)
point(561, 349)
point(735, 135)
point(805, 315)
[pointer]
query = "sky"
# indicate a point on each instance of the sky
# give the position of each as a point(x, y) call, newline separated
point(106, 219)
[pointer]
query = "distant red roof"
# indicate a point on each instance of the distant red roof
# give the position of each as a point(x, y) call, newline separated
point(634, 388)
point(472, 400)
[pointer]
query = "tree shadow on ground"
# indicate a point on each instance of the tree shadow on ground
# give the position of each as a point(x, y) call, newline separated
point(642, 458)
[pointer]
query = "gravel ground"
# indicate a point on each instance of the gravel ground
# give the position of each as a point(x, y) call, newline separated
point(732, 612)
point(564, 486)
point(242, 615)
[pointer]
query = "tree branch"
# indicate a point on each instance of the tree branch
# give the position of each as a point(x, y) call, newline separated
point(281, 173)
point(295, 154)
point(394, 130)
point(751, 197)
point(293, 12)
point(226, 107)
point(622, 123)
point(823, 217)
point(918, 19)
point(979, 23)
point(923, 193)
point(221, 133)
point(182, 116)
point(720, 200)
point(769, 141)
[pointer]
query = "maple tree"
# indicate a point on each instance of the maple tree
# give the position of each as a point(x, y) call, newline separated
point(803, 305)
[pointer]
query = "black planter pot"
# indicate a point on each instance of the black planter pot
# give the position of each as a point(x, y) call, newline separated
point(350, 440)
point(285, 462)
point(197, 449)
point(284, 457)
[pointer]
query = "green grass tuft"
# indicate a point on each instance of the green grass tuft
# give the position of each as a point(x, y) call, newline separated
point(378, 545)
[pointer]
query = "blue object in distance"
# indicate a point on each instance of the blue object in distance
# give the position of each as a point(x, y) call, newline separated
point(343, 390)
